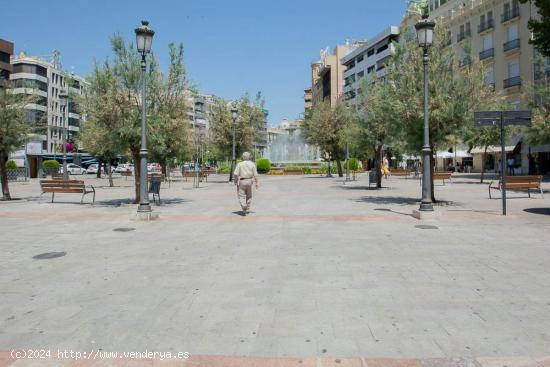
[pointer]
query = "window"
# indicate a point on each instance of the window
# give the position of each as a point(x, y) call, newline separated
point(370, 69)
point(4, 57)
point(370, 52)
point(512, 32)
point(30, 83)
point(468, 29)
point(482, 19)
point(490, 16)
point(360, 75)
point(30, 69)
point(513, 69)
point(489, 77)
point(487, 42)
point(359, 59)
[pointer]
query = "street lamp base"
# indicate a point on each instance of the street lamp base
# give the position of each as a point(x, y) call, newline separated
point(144, 208)
point(425, 215)
point(144, 216)
point(426, 207)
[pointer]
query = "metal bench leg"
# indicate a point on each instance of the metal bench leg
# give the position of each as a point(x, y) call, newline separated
point(541, 192)
point(82, 198)
point(529, 193)
point(490, 192)
point(53, 193)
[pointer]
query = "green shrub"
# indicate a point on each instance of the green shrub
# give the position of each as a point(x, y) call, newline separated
point(353, 164)
point(333, 168)
point(305, 169)
point(224, 167)
point(50, 165)
point(11, 164)
point(263, 165)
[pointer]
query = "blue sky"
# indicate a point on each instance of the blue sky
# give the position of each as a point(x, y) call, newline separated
point(231, 47)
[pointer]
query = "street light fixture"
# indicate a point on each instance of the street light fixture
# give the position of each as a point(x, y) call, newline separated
point(424, 32)
point(144, 39)
point(234, 113)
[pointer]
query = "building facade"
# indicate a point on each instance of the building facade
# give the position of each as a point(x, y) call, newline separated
point(53, 107)
point(496, 33)
point(368, 61)
point(327, 81)
point(6, 52)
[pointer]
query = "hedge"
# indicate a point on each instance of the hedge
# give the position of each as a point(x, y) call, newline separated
point(263, 165)
point(11, 164)
point(50, 165)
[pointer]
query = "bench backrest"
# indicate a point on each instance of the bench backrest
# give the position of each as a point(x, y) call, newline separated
point(62, 185)
point(442, 174)
point(524, 179)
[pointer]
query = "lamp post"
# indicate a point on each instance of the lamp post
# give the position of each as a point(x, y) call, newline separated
point(144, 39)
point(424, 31)
point(234, 112)
point(64, 101)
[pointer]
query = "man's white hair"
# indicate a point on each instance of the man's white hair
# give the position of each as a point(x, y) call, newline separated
point(246, 156)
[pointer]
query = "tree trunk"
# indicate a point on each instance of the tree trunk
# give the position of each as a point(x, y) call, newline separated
point(163, 167)
point(110, 173)
point(339, 167)
point(137, 174)
point(98, 173)
point(378, 166)
point(483, 164)
point(4, 177)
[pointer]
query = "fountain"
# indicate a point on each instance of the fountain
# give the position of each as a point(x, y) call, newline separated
point(288, 147)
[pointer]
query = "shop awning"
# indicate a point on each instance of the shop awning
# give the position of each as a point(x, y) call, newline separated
point(492, 149)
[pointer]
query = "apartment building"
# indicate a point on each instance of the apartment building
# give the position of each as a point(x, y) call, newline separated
point(53, 87)
point(308, 99)
point(496, 33)
point(6, 51)
point(327, 82)
point(367, 61)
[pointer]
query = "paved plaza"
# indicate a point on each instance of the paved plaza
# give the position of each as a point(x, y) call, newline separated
point(320, 274)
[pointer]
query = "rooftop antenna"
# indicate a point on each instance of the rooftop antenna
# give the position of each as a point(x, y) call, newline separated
point(56, 59)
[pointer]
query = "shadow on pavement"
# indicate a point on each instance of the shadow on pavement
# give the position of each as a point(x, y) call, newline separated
point(541, 211)
point(401, 200)
point(120, 202)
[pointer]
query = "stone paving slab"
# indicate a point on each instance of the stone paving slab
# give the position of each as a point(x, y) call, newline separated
point(236, 361)
point(318, 270)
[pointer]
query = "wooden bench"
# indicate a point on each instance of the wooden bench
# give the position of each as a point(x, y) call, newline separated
point(57, 175)
point(293, 172)
point(126, 174)
point(519, 183)
point(400, 172)
point(67, 186)
point(276, 171)
point(192, 174)
point(440, 176)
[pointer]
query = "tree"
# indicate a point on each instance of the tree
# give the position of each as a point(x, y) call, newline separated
point(482, 137)
point(100, 103)
point(328, 128)
point(14, 129)
point(455, 92)
point(379, 124)
point(538, 98)
point(120, 121)
point(541, 27)
point(250, 119)
point(169, 120)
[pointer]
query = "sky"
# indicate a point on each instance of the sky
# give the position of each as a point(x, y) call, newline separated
point(231, 47)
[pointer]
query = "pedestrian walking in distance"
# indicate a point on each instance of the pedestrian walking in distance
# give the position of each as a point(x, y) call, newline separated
point(244, 174)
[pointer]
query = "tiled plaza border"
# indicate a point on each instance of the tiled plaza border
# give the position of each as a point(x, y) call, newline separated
point(237, 361)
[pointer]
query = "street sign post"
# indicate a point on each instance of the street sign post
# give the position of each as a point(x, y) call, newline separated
point(502, 118)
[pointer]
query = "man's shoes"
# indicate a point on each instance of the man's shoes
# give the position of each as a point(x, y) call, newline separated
point(244, 212)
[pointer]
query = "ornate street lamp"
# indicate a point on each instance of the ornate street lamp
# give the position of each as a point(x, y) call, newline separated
point(424, 31)
point(234, 113)
point(144, 39)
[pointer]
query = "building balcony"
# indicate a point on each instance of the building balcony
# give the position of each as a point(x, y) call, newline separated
point(512, 82)
point(462, 35)
point(510, 14)
point(464, 62)
point(485, 26)
point(485, 54)
point(511, 45)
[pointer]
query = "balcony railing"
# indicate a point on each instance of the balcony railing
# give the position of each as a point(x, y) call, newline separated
point(484, 26)
point(512, 82)
point(510, 14)
point(511, 45)
point(464, 62)
point(485, 54)
point(462, 35)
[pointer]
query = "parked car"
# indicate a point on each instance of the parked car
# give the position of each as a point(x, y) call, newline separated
point(73, 169)
point(124, 167)
point(92, 168)
point(153, 167)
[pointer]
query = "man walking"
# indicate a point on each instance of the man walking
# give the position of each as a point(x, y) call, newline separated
point(243, 175)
